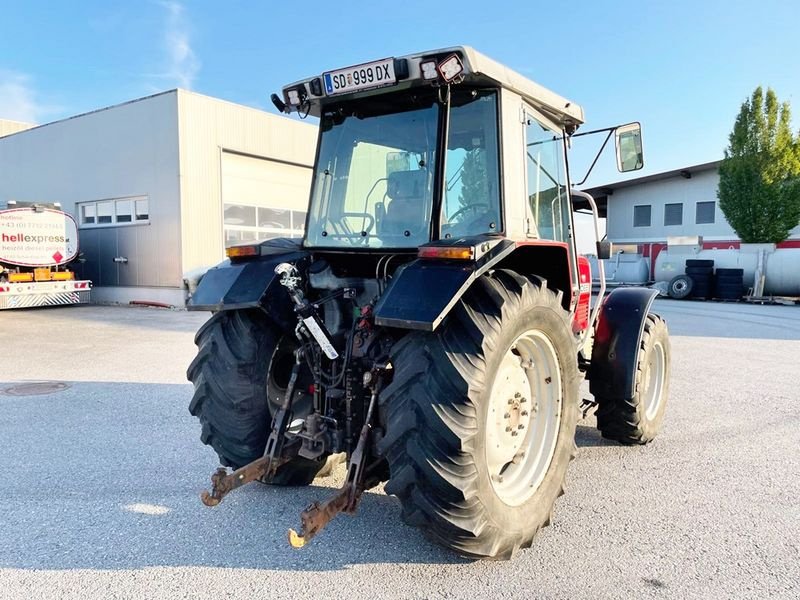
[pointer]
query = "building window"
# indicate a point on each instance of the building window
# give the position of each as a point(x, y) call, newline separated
point(246, 223)
point(142, 209)
point(641, 215)
point(115, 211)
point(87, 213)
point(673, 214)
point(705, 212)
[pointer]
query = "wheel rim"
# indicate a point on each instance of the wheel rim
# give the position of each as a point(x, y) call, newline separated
point(654, 381)
point(524, 417)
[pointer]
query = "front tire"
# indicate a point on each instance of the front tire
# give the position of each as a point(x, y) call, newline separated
point(456, 401)
point(638, 420)
point(241, 359)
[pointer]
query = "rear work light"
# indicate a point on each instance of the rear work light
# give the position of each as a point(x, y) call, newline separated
point(447, 252)
point(237, 251)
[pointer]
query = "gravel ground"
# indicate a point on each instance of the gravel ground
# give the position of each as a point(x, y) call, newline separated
point(102, 481)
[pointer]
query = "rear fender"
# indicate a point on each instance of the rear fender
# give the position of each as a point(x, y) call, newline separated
point(424, 291)
point(249, 283)
point(618, 335)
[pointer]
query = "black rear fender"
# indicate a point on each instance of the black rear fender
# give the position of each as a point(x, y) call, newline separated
point(618, 335)
point(249, 283)
point(422, 294)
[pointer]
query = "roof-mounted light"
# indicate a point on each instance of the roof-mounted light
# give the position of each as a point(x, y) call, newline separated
point(429, 70)
point(450, 68)
point(296, 95)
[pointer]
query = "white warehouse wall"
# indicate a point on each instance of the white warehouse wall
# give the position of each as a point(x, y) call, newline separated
point(125, 150)
point(701, 187)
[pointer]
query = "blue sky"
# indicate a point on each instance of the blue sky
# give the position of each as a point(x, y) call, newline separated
point(681, 68)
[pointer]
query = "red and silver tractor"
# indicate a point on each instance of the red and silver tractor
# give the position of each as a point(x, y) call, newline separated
point(434, 324)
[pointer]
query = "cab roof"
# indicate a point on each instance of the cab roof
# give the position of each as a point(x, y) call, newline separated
point(309, 95)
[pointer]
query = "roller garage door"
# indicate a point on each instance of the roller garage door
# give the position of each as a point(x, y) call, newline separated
point(262, 198)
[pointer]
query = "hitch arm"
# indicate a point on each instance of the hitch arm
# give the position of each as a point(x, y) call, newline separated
point(222, 482)
point(314, 518)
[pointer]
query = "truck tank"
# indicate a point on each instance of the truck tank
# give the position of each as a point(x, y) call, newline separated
point(780, 266)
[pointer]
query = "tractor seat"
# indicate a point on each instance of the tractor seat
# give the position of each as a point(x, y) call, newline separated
point(407, 191)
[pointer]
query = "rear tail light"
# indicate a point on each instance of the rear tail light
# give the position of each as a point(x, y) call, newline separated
point(447, 252)
point(239, 251)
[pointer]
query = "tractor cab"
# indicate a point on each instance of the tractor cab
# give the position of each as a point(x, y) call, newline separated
point(410, 152)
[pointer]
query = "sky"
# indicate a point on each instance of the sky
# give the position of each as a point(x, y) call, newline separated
point(681, 68)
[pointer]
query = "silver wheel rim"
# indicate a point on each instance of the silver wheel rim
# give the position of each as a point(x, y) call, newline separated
point(654, 381)
point(524, 417)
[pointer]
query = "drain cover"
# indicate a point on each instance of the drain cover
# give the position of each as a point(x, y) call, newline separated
point(35, 389)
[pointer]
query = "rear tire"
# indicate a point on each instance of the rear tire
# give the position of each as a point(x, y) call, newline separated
point(235, 353)
point(638, 420)
point(461, 475)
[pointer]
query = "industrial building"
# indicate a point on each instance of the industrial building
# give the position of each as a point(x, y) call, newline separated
point(160, 185)
point(644, 212)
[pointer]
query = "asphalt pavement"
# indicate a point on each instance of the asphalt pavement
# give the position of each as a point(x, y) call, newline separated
point(102, 473)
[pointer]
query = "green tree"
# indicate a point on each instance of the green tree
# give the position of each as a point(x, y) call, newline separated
point(474, 178)
point(759, 178)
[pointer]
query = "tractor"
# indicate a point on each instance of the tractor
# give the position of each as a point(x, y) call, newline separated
point(435, 322)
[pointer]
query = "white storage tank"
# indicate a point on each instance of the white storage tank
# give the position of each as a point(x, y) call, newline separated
point(780, 267)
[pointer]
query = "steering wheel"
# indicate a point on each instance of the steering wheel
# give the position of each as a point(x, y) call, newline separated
point(473, 207)
point(361, 235)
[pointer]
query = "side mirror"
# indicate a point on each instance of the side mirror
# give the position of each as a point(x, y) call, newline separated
point(628, 140)
point(604, 250)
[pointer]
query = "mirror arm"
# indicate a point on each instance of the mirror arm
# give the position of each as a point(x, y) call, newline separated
point(601, 270)
point(599, 152)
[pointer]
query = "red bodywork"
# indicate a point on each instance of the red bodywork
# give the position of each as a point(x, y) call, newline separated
point(580, 319)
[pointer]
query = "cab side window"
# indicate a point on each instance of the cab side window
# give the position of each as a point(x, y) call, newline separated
point(546, 182)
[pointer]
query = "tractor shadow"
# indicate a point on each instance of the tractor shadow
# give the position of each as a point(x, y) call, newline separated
point(107, 476)
point(587, 436)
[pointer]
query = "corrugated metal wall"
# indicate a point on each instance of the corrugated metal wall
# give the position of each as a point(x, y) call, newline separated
point(126, 150)
point(208, 127)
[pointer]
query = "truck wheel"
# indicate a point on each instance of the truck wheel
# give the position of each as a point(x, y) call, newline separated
point(638, 420)
point(680, 287)
point(480, 418)
point(241, 357)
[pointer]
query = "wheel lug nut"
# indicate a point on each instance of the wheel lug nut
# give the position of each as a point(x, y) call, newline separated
point(517, 395)
point(524, 413)
point(520, 426)
point(513, 433)
point(507, 416)
point(508, 428)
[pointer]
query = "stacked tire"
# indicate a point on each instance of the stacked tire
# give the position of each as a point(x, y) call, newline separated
point(729, 284)
point(701, 272)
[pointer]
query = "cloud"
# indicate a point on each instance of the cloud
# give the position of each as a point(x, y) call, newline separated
point(18, 101)
point(182, 63)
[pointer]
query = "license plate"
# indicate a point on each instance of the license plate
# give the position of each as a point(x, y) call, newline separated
point(360, 77)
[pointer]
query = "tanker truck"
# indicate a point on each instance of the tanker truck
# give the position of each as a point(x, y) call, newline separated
point(38, 243)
